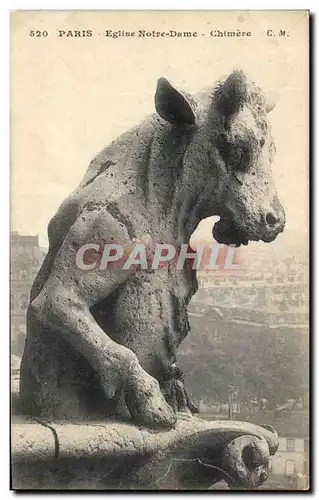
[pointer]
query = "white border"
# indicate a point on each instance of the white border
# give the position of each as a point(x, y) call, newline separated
point(159, 5)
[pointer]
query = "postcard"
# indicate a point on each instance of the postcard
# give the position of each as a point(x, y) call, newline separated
point(159, 250)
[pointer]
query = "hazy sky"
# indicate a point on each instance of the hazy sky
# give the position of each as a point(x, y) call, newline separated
point(72, 96)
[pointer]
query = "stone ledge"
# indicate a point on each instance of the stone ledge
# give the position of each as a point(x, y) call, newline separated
point(119, 455)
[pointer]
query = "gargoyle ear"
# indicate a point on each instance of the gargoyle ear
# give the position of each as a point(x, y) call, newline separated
point(232, 95)
point(171, 105)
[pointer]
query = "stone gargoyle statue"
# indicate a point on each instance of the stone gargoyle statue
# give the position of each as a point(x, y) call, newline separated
point(102, 340)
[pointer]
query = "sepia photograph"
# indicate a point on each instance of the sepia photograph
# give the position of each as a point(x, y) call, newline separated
point(159, 250)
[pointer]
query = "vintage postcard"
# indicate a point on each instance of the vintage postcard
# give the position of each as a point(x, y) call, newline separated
point(159, 250)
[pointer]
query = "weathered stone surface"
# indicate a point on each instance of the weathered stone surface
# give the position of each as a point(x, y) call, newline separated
point(31, 440)
point(195, 454)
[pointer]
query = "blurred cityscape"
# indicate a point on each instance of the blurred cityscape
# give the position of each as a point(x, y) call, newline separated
point(247, 356)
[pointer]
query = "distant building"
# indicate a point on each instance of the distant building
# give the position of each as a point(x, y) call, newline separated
point(270, 286)
point(289, 467)
point(235, 343)
point(26, 259)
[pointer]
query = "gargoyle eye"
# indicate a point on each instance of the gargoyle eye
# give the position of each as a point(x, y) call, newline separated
point(238, 160)
point(238, 155)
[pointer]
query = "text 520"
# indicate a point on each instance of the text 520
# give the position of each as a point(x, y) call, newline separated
point(38, 33)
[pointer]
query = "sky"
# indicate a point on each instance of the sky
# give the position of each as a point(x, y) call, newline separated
point(70, 97)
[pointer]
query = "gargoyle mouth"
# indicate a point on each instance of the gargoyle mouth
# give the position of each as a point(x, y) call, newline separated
point(226, 231)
